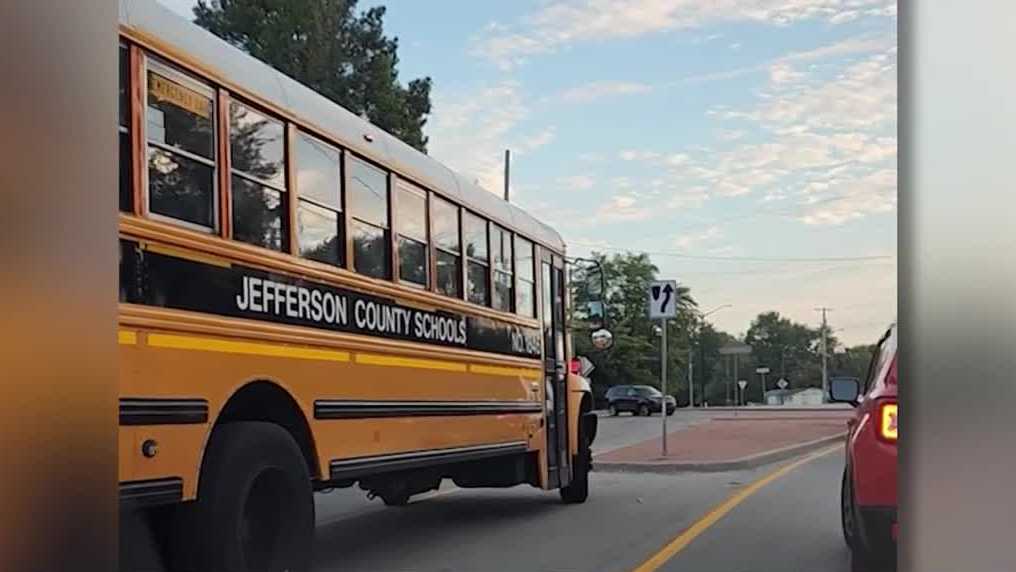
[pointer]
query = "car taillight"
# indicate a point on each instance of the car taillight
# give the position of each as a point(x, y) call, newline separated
point(887, 422)
point(575, 366)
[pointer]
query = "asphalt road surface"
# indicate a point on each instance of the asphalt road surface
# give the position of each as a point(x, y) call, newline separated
point(767, 519)
point(626, 429)
point(789, 524)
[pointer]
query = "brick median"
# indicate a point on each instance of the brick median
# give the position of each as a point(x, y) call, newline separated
point(727, 439)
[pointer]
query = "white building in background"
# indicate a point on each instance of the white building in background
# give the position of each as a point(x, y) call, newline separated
point(803, 396)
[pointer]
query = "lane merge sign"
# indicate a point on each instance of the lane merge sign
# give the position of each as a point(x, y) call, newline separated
point(662, 299)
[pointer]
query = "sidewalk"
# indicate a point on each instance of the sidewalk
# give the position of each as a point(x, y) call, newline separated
point(729, 443)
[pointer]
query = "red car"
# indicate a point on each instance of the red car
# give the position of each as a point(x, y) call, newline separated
point(868, 505)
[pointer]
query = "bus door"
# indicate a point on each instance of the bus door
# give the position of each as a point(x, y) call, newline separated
point(552, 300)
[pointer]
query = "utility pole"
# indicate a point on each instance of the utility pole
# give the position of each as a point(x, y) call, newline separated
point(691, 378)
point(507, 172)
point(825, 370)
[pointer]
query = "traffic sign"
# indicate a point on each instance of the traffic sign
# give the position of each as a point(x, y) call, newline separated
point(742, 384)
point(782, 383)
point(762, 370)
point(585, 366)
point(662, 299)
point(735, 349)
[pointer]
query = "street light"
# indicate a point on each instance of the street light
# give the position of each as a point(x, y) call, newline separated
point(696, 316)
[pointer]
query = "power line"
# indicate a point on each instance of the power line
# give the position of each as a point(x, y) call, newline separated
point(738, 258)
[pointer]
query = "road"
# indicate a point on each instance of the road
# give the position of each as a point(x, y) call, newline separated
point(631, 522)
point(627, 429)
point(791, 523)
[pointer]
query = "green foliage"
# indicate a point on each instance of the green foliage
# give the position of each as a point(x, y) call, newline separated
point(328, 47)
point(635, 357)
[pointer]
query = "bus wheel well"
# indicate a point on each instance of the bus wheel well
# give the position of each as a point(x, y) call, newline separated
point(266, 401)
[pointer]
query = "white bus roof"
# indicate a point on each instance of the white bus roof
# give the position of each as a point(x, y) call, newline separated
point(320, 113)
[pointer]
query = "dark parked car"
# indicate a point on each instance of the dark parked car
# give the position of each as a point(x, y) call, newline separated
point(639, 399)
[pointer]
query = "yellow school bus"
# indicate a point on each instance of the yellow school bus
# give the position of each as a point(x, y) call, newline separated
point(308, 303)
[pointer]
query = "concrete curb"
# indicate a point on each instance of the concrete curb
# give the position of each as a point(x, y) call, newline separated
point(749, 462)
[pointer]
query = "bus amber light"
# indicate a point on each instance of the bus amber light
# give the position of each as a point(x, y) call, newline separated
point(887, 426)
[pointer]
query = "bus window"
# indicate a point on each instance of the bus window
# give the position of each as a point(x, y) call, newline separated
point(367, 193)
point(447, 247)
point(474, 234)
point(525, 290)
point(319, 212)
point(257, 155)
point(126, 186)
point(501, 254)
point(411, 222)
point(181, 147)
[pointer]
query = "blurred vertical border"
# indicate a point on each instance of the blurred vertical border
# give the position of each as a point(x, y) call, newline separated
point(58, 482)
point(957, 285)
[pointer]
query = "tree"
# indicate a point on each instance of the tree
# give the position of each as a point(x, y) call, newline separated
point(634, 359)
point(787, 348)
point(331, 49)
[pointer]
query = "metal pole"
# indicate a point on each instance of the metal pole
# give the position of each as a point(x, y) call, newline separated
point(691, 378)
point(737, 388)
point(825, 371)
point(663, 385)
point(507, 171)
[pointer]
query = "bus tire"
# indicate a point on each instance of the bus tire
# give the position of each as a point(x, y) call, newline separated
point(255, 506)
point(578, 490)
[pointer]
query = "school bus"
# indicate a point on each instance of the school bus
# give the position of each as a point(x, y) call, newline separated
point(307, 303)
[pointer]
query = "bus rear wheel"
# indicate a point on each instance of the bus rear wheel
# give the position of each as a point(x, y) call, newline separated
point(255, 507)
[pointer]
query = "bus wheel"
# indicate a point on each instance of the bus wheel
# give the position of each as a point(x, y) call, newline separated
point(255, 507)
point(578, 490)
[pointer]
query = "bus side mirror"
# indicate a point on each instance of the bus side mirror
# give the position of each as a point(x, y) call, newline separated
point(602, 339)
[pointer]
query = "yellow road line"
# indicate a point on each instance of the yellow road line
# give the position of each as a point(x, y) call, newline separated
point(506, 371)
point(248, 348)
point(127, 337)
point(712, 517)
point(418, 363)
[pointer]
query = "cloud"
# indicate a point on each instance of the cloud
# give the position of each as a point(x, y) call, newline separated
point(735, 46)
point(823, 148)
point(685, 242)
point(561, 23)
point(638, 155)
point(576, 182)
point(602, 89)
point(850, 46)
point(783, 72)
point(853, 198)
point(622, 208)
point(470, 127)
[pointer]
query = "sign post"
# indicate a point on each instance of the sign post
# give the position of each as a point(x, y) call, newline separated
point(736, 349)
point(762, 371)
point(663, 307)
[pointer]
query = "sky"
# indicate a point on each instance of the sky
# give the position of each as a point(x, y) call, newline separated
point(748, 145)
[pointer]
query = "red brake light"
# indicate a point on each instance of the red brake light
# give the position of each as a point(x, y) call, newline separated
point(887, 423)
point(575, 366)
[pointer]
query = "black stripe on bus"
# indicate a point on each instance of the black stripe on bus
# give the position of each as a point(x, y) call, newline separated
point(347, 409)
point(156, 411)
point(360, 466)
point(138, 494)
